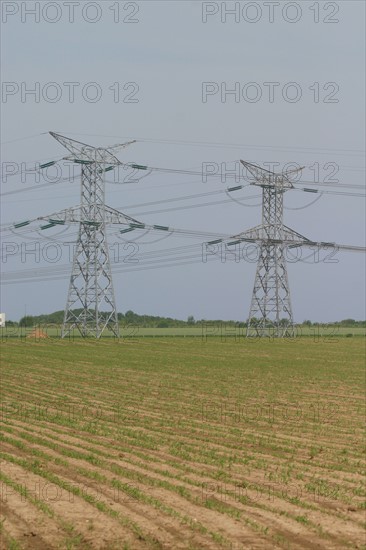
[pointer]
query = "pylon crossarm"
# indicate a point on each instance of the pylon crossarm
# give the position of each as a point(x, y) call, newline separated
point(288, 231)
point(77, 214)
point(267, 179)
point(268, 233)
point(257, 171)
point(292, 243)
point(83, 152)
point(118, 146)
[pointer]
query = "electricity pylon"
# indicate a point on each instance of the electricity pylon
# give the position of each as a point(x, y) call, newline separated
point(270, 310)
point(91, 306)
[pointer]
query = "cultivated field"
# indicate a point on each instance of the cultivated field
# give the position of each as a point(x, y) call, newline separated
point(183, 443)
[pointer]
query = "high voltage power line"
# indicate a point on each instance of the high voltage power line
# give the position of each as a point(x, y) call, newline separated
point(91, 283)
point(202, 143)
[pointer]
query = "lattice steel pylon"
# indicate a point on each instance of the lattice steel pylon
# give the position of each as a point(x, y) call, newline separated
point(91, 306)
point(270, 312)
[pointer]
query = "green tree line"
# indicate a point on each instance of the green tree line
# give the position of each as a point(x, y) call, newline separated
point(153, 321)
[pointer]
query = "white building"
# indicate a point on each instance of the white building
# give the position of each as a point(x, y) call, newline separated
point(2, 320)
